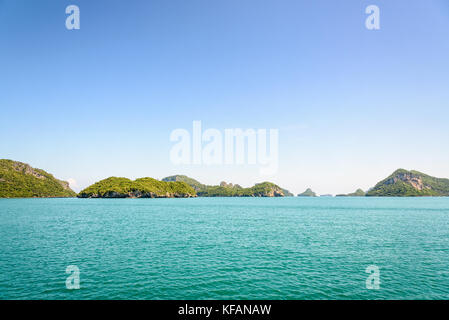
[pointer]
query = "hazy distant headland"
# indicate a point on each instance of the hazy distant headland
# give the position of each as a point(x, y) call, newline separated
point(307, 193)
point(357, 193)
point(20, 180)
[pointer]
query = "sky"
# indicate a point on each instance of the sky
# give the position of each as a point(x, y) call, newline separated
point(351, 104)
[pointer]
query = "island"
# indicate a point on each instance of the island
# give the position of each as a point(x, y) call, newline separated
point(114, 187)
point(307, 193)
point(264, 189)
point(403, 183)
point(358, 193)
point(20, 180)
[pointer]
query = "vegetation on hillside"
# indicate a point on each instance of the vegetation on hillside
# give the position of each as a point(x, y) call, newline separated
point(114, 187)
point(20, 180)
point(265, 189)
point(190, 181)
point(403, 183)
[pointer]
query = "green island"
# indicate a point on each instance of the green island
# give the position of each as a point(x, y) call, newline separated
point(264, 189)
point(358, 193)
point(178, 186)
point(404, 183)
point(114, 187)
point(20, 180)
point(307, 193)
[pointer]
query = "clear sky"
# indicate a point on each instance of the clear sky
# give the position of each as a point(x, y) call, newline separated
point(351, 104)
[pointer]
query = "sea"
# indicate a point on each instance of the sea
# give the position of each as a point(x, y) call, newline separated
point(225, 248)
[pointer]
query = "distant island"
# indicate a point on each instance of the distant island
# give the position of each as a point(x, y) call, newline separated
point(175, 187)
point(403, 183)
point(264, 189)
point(358, 193)
point(20, 180)
point(307, 193)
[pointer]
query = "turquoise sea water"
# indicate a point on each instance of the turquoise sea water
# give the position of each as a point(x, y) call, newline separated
point(225, 248)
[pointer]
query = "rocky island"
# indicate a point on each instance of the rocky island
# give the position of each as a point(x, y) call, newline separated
point(20, 180)
point(403, 183)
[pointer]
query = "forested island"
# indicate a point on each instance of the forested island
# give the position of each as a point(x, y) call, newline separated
point(114, 187)
point(264, 189)
point(403, 183)
point(20, 180)
point(175, 187)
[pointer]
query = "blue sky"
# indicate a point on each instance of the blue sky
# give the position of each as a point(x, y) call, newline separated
point(351, 105)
